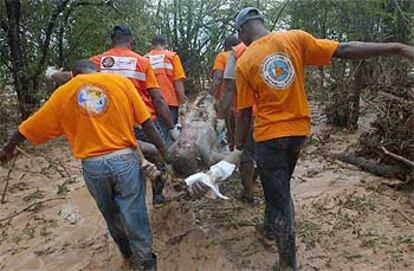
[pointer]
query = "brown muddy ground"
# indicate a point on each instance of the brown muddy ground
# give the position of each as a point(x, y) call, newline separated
point(346, 219)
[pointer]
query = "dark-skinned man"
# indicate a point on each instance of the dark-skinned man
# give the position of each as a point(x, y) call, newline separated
point(217, 84)
point(270, 75)
point(170, 75)
point(227, 110)
point(97, 112)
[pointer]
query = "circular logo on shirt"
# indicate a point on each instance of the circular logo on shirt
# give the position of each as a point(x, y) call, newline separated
point(278, 71)
point(108, 62)
point(92, 99)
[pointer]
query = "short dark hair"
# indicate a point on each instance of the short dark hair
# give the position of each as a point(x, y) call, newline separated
point(83, 66)
point(159, 40)
point(121, 34)
point(231, 41)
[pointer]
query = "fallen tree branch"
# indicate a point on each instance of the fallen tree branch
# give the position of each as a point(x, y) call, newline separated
point(28, 208)
point(3, 195)
point(370, 166)
point(397, 157)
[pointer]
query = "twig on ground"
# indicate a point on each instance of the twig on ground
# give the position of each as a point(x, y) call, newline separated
point(3, 195)
point(53, 164)
point(28, 208)
point(397, 157)
point(409, 219)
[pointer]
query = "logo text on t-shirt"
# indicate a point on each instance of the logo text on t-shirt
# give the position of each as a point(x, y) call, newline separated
point(277, 71)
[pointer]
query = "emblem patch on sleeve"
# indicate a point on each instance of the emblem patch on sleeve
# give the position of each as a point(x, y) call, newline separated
point(278, 71)
point(92, 100)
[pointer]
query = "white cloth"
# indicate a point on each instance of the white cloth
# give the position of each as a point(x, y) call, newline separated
point(218, 172)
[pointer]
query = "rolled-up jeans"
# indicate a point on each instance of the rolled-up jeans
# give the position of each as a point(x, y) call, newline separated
point(117, 184)
point(276, 160)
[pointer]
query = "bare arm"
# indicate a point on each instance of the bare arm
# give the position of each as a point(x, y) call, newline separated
point(226, 98)
point(149, 129)
point(179, 89)
point(243, 126)
point(161, 107)
point(61, 77)
point(217, 79)
point(360, 50)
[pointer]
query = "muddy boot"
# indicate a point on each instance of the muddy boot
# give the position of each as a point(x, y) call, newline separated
point(157, 187)
point(139, 264)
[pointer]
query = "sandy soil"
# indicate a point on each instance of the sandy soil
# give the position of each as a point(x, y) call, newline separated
point(345, 219)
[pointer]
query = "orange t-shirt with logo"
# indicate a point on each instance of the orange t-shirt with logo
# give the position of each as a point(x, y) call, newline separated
point(129, 64)
point(270, 74)
point(96, 112)
point(167, 68)
point(219, 65)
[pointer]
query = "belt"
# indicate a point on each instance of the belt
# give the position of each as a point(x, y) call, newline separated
point(110, 155)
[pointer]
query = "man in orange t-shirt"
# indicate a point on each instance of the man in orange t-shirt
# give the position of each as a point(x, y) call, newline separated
point(170, 74)
point(97, 112)
point(216, 87)
point(270, 75)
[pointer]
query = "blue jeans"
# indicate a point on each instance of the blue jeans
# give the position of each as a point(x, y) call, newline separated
point(276, 160)
point(118, 187)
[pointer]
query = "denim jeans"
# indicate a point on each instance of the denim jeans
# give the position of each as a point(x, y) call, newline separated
point(118, 187)
point(162, 130)
point(276, 160)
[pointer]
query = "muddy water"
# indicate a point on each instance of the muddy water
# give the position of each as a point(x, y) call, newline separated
point(345, 220)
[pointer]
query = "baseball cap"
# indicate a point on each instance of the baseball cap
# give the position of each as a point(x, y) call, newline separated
point(121, 31)
point(248, 14)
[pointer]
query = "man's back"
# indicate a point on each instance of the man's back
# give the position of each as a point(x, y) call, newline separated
point(131, 65)
point(96, 112)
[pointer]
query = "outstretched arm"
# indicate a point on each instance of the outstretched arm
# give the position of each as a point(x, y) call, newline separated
point(152, 133)
point(360, 50)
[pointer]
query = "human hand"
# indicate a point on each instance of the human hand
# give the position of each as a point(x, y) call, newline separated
point(50, 71)
point(150, 169)
point(175, 132)
point(5, 157)
point(199, 189)
point(221, 125)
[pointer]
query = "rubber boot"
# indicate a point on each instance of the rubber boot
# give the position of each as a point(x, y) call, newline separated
point(157, 187)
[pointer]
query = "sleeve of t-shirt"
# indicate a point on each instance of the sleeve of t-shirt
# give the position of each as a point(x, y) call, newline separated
point(179, 73)
point(317, 52)
point(230, 70)
point(245, 95)
point(96, 60)
point(151, 80)
point(219, 62)
point(139, 108)
point(44, 124)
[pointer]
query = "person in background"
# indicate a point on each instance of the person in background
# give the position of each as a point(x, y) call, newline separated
point(170, 74)
point(217, 84)
point(96, 112)
point(227, 110)
point(270, 75)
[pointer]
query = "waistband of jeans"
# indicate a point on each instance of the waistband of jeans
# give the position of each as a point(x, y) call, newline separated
point(110, 155)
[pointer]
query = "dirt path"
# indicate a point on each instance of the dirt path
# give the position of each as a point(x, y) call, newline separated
point(346, 220)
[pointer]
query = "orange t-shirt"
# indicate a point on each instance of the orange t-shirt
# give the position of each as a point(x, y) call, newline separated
point(270, 73)
point(219, 65)
point(96, 112)
point(167, 68)
point(129, 64)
